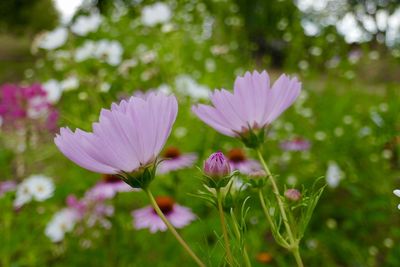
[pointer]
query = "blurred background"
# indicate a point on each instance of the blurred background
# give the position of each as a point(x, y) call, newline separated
point(79, 56)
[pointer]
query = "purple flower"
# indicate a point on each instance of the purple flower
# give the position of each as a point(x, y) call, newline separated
point(177, 215)
point(7, 186)
point(296, 144)
point(238, 161)
point(174, 160)
point(108, 188)
point(217, 166)
point(126, 138)
point(20, 103)
point(253, 104)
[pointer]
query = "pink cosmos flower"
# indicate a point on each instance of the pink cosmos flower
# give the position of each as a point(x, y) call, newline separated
point(296, 144)
point(7, 186)
point(108, 188)
point(253, 104)
point(174, 160)
point(238, 161)
point(177, 215)
point(126, 138)
point(22, 103)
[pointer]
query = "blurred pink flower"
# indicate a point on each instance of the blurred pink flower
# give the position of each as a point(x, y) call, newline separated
point(19, 103)
point(238, 161)
point(127, 137)
point(254, 104)
point(7, 186)
point(177, 215)
point(108, 188)
point(296, 144)
point(174, 160)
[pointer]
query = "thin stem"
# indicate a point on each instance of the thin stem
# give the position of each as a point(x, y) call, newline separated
point(266, 212)
point(224, 230)
point(296, 254)
point(246, 257)
point(294, 245)
point(172, 229)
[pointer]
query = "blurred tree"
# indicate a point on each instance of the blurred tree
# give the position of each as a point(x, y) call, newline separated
point(266, 22)
point(27, 16)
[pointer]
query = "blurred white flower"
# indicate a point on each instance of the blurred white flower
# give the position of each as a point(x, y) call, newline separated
point(126, 65)
point(70, 83)
point(109, 51)
point(86, 24)
point(148, 56)
point(156, 13)
point(53, 89)
point(164, 88)
point(105, 50)
point(85, 51)
point(187, 86)
point(54, 39)
point(397, 193)
point(61, 223)
point(334, 175)
point(37, 187)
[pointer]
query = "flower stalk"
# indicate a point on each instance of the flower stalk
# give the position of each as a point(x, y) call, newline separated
point(172, 229)
point(224, 230)
point(293, 245)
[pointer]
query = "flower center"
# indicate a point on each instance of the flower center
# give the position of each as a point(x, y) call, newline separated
point(236, 155)
point(165, 203)
point(172, 153)
point(109, 178)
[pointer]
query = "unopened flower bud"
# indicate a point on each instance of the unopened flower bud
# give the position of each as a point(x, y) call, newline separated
point(217, 166)
point(293, 194)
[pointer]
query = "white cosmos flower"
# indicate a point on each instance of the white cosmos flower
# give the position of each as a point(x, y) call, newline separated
point(54, 39)
point(109, 51)
point(156, 13)
point(334, 175)
point(53, 90)
point(70, 83)
point(187, 86)
point(23, 195)
point(86, 24)
point(61, 223)
point(85, 51)
point(37, 187)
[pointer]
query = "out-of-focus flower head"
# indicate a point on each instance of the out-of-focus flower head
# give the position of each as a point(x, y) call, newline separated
point(61, 223)
point(179, 216)
point(86, 24)
point(7, 186)
point(157, 13)
point(18, 104)
point(334, 174)
point(51, 40)
point(36, 187)
point(173, 160)
point(239, 161)
point(296, 144)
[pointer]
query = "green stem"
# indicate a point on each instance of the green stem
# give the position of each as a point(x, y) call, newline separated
point(246, 257)
point(224, 230)
point(294, 245)
point(296, 254)
point(172, 229)
point(266, 212)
